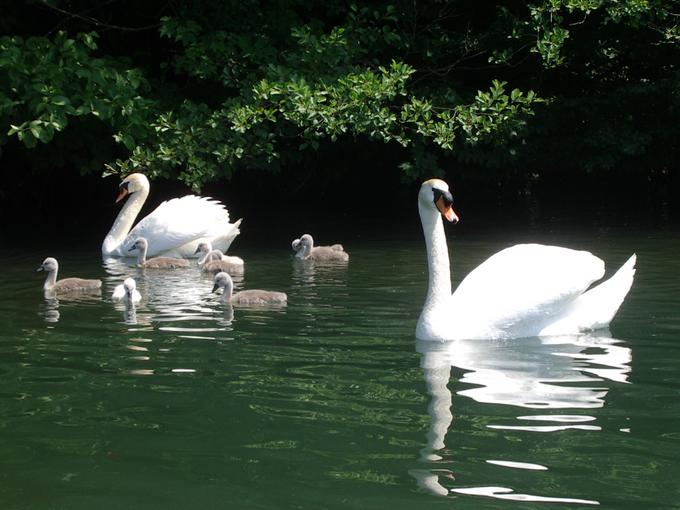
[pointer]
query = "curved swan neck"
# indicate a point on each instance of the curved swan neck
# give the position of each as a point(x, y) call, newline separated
point(123, 223)
point(439, 269)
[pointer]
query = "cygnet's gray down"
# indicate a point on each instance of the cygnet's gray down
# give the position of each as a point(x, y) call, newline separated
point(208, 254)
point(51, 265)
point(246, 297)
point(156, 262)
point(214, 261)
point(305, 250)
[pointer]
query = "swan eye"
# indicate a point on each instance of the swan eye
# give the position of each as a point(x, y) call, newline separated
point(445, 196)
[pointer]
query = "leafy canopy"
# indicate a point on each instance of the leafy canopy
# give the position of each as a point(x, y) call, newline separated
point(221, 87)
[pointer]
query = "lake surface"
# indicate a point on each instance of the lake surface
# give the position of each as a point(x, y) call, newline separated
point(330, 402)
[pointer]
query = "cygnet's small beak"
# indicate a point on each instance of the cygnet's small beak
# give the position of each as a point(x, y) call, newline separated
point(133, 248)
point(40, 269)
point(215, 287)
point(197, 250)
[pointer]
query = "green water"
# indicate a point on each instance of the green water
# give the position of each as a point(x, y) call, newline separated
point(330, 402)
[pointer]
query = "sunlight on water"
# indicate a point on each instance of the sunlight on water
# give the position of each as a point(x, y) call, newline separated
point(506, 493)
point(329, 401)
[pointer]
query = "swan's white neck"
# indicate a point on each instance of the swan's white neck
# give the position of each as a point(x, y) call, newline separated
point(439, 270)
point(123, 223)
point(439, 282)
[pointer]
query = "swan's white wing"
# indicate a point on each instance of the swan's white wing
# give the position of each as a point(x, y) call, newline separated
point(523, 286)
point(177, 222)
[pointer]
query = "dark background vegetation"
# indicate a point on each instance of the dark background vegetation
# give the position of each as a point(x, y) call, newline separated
point(224, 97)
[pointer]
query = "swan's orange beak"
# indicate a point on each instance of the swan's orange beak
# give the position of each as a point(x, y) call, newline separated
point(121, 194)
point(446, 210)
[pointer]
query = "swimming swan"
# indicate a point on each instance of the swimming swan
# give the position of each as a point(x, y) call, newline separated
point(304, 249)
point(174, 228)
point(246, 297)
point(127, 292)
point(521, 291)
point(51, 265)
point(156, 262)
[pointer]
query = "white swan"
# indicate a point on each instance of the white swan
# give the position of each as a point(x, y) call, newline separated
point(52, 285)
point(246, 297)
point(305, 250)
point(174, 228)
point(525, 290)
point(127, 292)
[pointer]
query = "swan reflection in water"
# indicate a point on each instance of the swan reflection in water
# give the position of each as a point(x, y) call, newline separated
point(549, 373)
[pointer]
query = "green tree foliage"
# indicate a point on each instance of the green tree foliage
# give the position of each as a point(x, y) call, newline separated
point(205, 89)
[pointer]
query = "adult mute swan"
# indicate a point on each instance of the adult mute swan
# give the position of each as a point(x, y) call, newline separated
point(246, 297)
point(127, 292)
point(174, 228)
point(521, 291)
point(305, 250)
point(51, 266)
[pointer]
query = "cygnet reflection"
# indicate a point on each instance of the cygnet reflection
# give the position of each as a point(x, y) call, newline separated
point(51, 313)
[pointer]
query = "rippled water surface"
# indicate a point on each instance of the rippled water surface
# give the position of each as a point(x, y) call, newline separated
point(330, 402)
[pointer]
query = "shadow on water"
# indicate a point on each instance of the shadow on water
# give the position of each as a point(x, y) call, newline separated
point(551, 374)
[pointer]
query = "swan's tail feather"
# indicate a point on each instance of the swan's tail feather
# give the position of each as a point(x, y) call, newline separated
point(224, 239)
point(597, 307)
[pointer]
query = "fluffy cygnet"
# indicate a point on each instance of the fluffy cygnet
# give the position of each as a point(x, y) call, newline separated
point(208, 254)
point(304, 249)
point(246, 297)
point(127, 292)
point(51, 265)
point(219, 266)
point(214, 261)
point(155, 262)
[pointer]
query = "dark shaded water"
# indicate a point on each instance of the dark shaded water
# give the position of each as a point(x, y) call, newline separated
point(330, 402)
